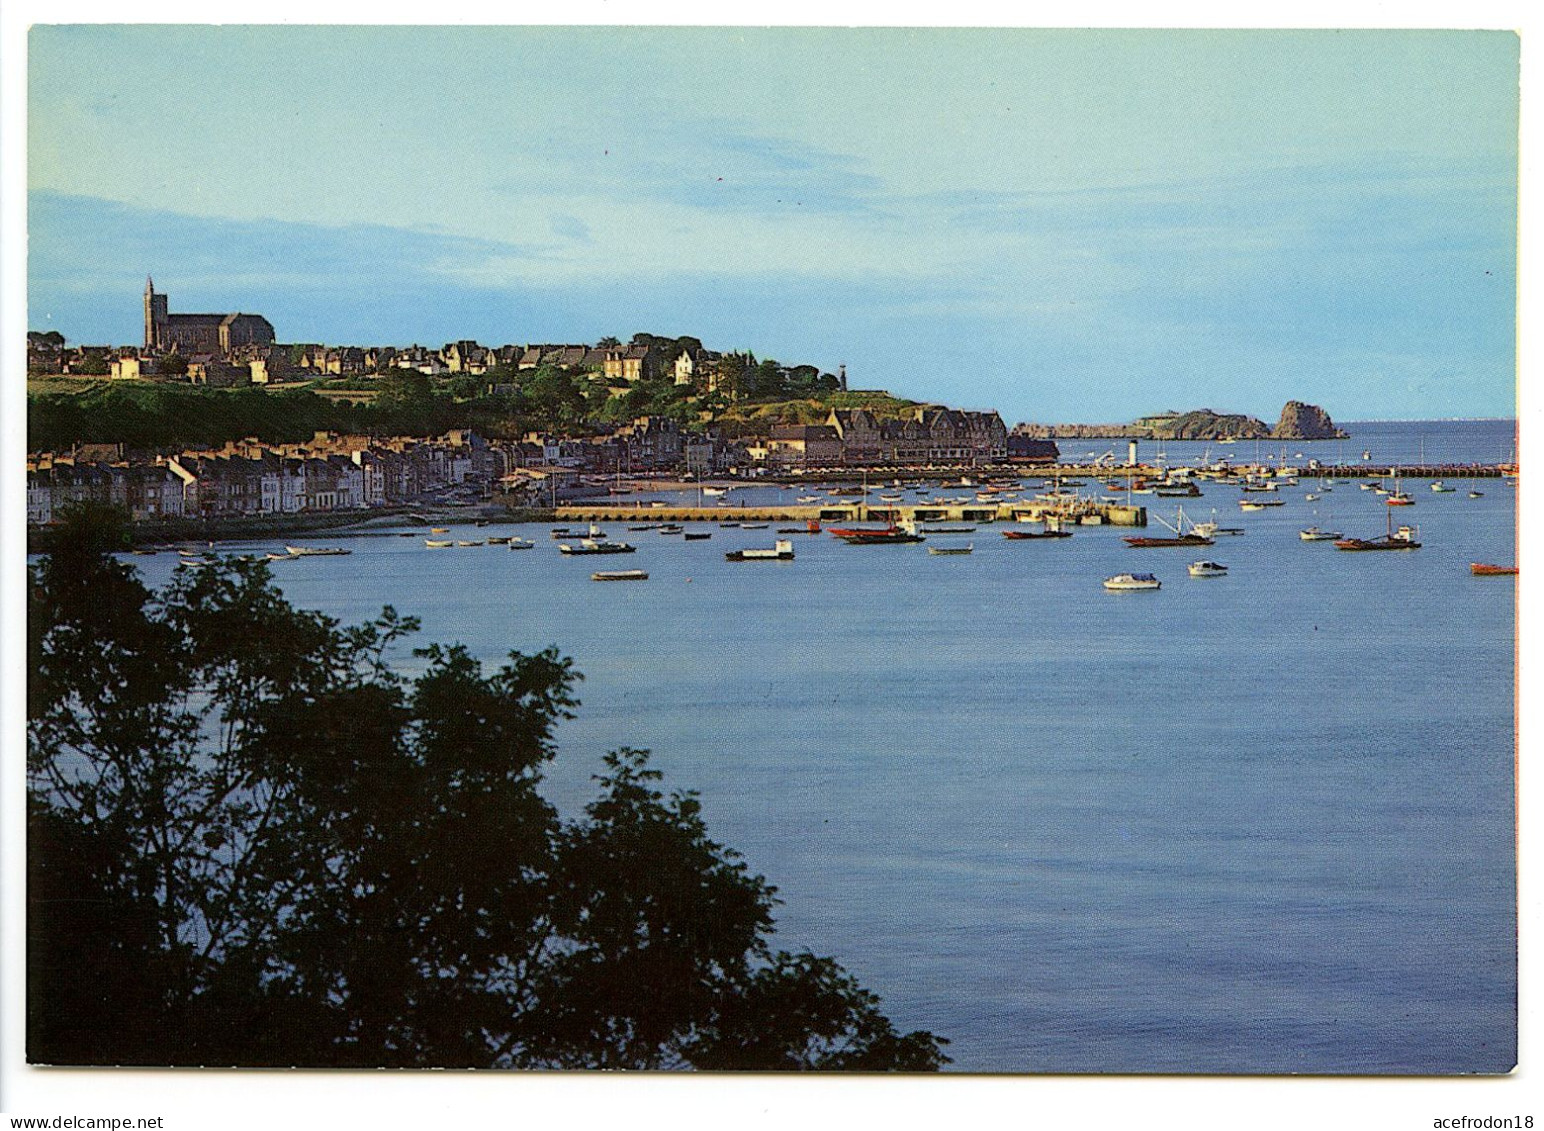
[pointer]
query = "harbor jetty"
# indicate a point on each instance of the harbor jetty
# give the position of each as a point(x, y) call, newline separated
point(1086, 512)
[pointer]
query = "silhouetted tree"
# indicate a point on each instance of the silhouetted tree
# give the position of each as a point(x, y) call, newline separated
point(253, 842)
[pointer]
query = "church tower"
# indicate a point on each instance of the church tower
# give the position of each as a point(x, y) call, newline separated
point(155, 316)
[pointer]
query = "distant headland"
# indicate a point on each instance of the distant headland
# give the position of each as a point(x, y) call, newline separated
point(1299, 421)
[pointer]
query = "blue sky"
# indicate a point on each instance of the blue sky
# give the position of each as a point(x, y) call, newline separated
point(1061, 225)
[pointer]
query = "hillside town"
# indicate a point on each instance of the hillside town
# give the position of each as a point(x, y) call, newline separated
point(337, 473)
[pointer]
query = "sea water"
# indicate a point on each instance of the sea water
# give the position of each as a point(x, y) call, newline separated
point(1259, 823)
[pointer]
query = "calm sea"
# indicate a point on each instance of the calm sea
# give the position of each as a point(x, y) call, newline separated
point(1261, 823)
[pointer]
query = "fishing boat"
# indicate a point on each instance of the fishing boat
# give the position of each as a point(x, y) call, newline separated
point(1481, 569)
point(1259, 504)
point(470, 542)
point(781, 551)
point(671, 528)
point(439, 530)
point(500, 540)
point(1131, 581)
point(849, 531)
point(595, 546)
point(1314, 534)
point(317, 551)
point(947, 550)
point(715, 492)
point(1441, 487)
point(1208, 569)
point(754, 525)
point(1184, 535)
point(890, 536)
point(1401, 539)
point(273, 557)
point(1030, 535)
point(697, 535)
point(644, 526)
point(1211, 528)
point(1476, 494)
point(439, 543)
point(948, 530)
point(517, 543)
point(619, 575)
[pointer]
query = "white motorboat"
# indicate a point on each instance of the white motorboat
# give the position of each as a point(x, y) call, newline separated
point(1132, 581)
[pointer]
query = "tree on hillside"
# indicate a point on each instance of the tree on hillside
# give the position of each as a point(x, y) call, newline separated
point(405, 387)
point(92, 363)
point(172, 365)
point(554, 396)
point(252, 841)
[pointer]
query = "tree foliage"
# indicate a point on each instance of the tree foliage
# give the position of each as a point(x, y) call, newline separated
point(253, 841)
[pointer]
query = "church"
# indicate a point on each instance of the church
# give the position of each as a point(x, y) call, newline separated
point(189, 334)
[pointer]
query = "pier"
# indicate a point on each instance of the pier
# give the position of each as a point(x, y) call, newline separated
point(1082, 511)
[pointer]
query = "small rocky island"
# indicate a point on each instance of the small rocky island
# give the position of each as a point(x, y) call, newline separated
point(1299, 421)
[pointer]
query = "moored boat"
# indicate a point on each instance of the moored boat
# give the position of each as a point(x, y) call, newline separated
point(1314, 534)
point(317, 551)
point(619, 575)
point(1025, 535)
point(595, 546)
point(439, 543)
point(1132, 581)
point(890, 536)
point(948, 550)
point(518, 543)
point(1208, 569)
point(781, 551)
point(1401, 539)
point(1483, 569)
point(1184, 535)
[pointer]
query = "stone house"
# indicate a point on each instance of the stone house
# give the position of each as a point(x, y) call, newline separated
point(128, 365)
point(802, 446)
point(217, 373)
point(861, 437)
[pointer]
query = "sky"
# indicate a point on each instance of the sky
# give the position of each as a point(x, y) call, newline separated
point(1061, 225)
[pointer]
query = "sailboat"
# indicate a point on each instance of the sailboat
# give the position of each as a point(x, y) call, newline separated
point(1396, 497)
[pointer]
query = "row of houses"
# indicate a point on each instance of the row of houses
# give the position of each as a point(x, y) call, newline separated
point(332, 472)
point(248, 478)
point(265, 362)
point(928, 435)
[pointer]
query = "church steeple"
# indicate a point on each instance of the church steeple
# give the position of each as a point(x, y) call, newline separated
point(155, 315)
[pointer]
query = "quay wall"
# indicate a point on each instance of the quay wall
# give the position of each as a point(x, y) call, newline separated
point(1104, 513)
